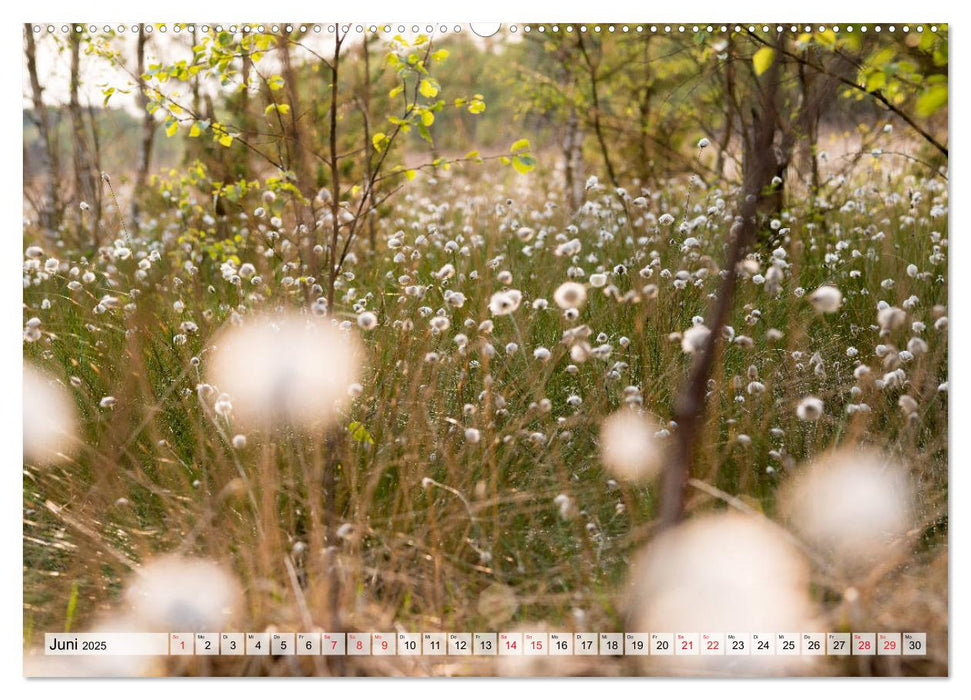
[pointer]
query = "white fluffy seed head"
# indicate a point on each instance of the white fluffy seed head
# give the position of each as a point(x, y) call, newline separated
point(179, 593)
point(50, 418)
point(722, 573)
point(810, 408)
point(570, 295)
point(852, 505)
point(826, 299)
point(693, 340)
point(367, 320)
point(891, 318)
point(285, 369)
point(505, 303)
point(629, 447)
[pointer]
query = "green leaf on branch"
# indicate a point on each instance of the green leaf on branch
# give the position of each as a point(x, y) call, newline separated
point(520, 145)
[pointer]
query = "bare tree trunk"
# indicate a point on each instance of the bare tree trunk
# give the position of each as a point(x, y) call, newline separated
point(366, 109)
point(595, 99)
point(689, 408)
point(335, 175)
point(644, 115)
point(85, 180)
point(148, 128)
point(335, 438)
point(298, 154)
point(196, 104)
point(573, 157)
point(726, 138)
point(50, 208)
point(245, 119)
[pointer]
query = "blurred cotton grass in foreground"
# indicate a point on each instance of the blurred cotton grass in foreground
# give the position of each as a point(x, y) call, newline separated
point(50, 418)
point(853, 506)
point(284, 369)
point(630, 445)
point(172, 593)
point(722, 573)
point(168, 593)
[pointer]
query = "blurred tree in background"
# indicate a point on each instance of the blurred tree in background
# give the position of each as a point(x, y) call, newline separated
point(338, 123)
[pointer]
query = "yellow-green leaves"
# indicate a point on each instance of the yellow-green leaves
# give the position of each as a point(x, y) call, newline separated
point(221, 136)
point(195, 130)
point(826, 38)
point(932, 99)
point(281, 108)
point(359, 433)
point(762, 59)
point(428, 87)
point(522, 160)
point(171, 126)
point(477, 105)
point(523, 163)
point(379, 141)
point(275, 82)
point(520, 145)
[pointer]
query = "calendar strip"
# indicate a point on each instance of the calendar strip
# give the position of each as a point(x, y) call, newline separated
point(488, 644)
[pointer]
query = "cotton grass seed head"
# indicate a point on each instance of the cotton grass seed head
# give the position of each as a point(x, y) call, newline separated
point(570, 295)
point(826, 299)
point(891, 318)
point(286, 369)
point(367, 321)
point(809, 408)
point(179, 593)
point(694, 339)
point(722, 573)
point(50, 418)
point(629, 447)
point(505, 302)
point(497, 604)
point(853, 505)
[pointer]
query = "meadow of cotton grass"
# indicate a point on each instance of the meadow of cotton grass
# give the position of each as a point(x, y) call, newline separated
point(493, 393)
